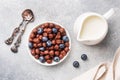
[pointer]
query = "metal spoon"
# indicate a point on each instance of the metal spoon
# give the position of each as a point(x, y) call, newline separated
point(14, 34)
point(27, 16)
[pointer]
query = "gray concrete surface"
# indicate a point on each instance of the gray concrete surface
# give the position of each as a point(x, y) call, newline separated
point(21, 67)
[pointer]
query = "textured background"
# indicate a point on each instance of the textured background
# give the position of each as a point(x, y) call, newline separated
point(21, 67)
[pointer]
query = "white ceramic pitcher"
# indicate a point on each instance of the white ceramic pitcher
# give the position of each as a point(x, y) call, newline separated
point(79, 24)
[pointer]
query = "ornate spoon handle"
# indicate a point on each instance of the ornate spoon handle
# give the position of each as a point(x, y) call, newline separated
point(18, 41)
point(14, 34)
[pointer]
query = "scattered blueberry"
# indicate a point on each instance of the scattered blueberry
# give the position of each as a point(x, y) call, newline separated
point(56, 59)
point(65, 38)
point(40, 30)
point(84, 57)
point(62, 46)
point(49, 43)
point(54, 30)
point(44, 39)
point(30, 45)
point(76, 64)
point(41, 48)
point(41, 59)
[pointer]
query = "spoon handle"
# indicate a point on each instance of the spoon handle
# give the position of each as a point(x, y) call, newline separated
point(18, 41)
point(14, 34)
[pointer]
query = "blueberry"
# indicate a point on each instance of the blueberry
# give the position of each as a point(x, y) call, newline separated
point(30, 45)
point(41, 59)
point(76, 64)
point(49, 43)
point(44, 39)
point(41, 48)
point(56, 59)
point(40, 30)
point(62, 46)
point(54, 30)
point(65, 38)
point(84, 57)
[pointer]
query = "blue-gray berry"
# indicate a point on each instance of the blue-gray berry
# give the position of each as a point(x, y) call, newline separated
point(41, 48)
point(44, 39)
point(62, 46)
point(30, 45)
point(65, 38)
point(41, 59)
point(56, 59)
point(40, 30)
point(49, 43)
point(76, 64)
point(84, 57)
point(54, 30)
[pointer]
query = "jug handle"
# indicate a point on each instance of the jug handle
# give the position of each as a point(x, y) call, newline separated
point(108, 14)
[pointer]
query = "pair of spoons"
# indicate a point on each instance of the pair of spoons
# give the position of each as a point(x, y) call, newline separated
point(28, 17)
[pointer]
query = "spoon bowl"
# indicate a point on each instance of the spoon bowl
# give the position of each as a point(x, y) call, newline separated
point(28, 15)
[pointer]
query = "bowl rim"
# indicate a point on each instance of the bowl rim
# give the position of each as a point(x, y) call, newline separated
point(53, 63)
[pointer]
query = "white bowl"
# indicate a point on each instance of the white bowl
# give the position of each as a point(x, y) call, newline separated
point(53, 63)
